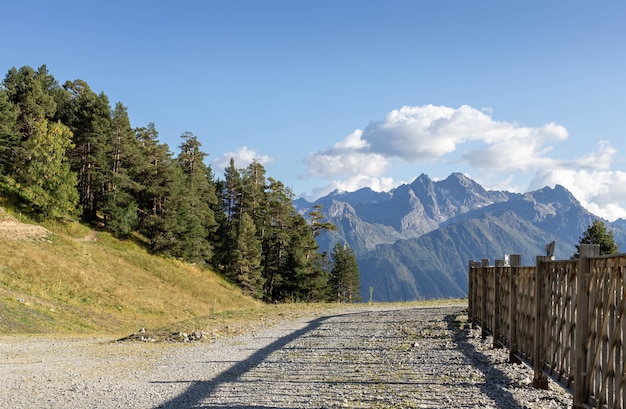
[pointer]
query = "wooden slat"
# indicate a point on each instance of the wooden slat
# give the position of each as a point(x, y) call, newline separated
point(581, 325)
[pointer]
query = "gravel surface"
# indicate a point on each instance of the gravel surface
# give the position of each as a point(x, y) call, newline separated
point(365, 357)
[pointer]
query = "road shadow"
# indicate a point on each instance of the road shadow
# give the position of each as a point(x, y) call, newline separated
point(201, 390)
point(493, 376)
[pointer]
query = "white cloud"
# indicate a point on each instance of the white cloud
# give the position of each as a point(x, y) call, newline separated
point(352, 141)
point(347, 158)
point(599, 191)
point(430, 132)
point(412, 133)
point(347, 164)
point(601, 159)
point(242, 156)
point(501, 154)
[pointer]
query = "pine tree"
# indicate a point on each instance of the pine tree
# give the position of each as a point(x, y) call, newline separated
point(160, 179)
point(9, 135)
point(276, 224)
point(50, 184)
point(196, 220)
point(320, 289)
point(229, 194)
point(597, 233)
point(120, 207)
point(344, 275)
point(27, 106)
point(232, 193)
point(303, 279)
point(318, 281)
point(31, 93)
point(247, 259)
point(253, 193)
point(318, 225)
point(89, 118)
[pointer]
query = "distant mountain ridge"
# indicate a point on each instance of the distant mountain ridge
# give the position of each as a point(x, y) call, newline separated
point(415, 241)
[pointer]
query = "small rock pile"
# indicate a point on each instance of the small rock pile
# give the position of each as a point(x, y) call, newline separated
point(184, 337)
point(144, 336)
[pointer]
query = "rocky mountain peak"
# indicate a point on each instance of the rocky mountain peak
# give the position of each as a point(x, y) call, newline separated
point(423, 233)
point(557, 194)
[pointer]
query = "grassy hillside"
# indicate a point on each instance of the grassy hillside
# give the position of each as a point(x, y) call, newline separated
point(67, 279)
point(79, 281)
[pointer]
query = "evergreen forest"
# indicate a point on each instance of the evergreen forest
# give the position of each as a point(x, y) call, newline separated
point(66, 154)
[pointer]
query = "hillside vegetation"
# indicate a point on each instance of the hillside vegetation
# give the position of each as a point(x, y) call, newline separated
point(67, 154)
point(68, 279)
point(74, 280)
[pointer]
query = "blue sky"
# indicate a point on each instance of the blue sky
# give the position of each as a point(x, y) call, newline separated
point(345, 94)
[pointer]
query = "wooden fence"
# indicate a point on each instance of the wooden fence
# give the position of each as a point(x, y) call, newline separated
point(566, 318)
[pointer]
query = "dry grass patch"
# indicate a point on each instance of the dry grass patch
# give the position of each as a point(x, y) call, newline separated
point(105, 286)
point(65, 284)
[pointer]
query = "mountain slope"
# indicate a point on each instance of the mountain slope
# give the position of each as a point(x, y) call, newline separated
point(416, 241)
point(435, 264)
point(366, 218)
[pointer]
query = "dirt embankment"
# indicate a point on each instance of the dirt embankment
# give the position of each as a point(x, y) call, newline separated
point(12, 229)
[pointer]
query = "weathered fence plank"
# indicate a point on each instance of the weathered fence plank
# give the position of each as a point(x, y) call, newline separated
point(497, 319)
point(567, 318)
point(516, 262)
point(540, 379)
point(484, 299)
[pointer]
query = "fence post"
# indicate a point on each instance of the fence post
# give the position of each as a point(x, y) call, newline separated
point(516, 262)
point(581, 375)
point(476, 303)
point(499, 264)
point(470, 292)
point(483, 324)
point(540, 380)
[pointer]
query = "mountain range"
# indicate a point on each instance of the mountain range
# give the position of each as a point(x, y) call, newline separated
point(415, 242)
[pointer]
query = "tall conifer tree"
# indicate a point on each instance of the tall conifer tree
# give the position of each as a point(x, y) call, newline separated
point(253, 193)
point(196, 221)
point(597, 233)
point(120, 208)
point(159, 179)
point(29, 94)
point(89, 118)
point(247, 258)
point(229, 194)
point(50, 184)
point(344, 275)
point(9, 135)
point(276, 224)
point(302, 280)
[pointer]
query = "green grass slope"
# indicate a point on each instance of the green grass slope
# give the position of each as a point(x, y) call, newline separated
point(69, 280)
point(77, 281)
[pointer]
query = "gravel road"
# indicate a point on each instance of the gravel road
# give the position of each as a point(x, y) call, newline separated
point(365, 357)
